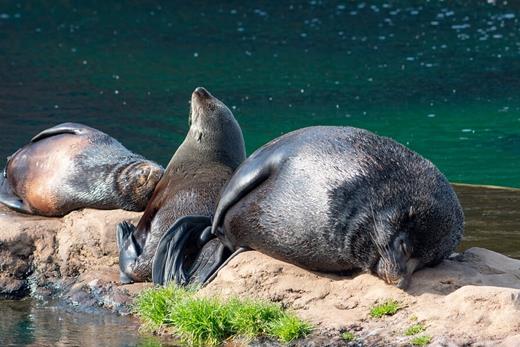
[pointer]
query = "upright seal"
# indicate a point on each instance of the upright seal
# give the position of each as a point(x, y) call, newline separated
point(201, 166)
point(329, 199)
point(72, 166)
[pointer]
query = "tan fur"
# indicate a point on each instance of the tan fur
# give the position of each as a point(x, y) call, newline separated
point(45, 164)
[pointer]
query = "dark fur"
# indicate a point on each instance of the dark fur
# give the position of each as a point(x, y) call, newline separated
point(102, 173)
point(212, 150)
point(335, 199)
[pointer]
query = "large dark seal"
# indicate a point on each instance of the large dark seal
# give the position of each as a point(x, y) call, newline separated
point(201, 166)
point(72, 166)
point(330, 199)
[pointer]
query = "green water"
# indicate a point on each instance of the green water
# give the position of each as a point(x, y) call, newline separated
point(32, 323)
point(441, 77)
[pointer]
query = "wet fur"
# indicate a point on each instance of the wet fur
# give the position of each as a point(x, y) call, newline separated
point(201, 166)
point(63, 172)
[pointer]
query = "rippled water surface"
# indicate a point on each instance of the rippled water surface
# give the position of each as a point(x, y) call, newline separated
point(29, 323)
point(441, 76)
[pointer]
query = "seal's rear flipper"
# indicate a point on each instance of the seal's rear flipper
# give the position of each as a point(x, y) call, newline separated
point(208, 260)
point(65, 128)
point(184, 241)
point(129, 250)
point(10, 200)
point(215, 270)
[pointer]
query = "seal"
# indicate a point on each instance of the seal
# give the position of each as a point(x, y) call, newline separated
point(72, 166)
point(330, 199)
point(201, 166)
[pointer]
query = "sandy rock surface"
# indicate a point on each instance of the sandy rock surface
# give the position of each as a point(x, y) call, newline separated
point(472, 299)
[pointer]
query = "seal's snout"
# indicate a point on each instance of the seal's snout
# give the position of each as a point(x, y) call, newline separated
point(202, 93)
point(404, 282)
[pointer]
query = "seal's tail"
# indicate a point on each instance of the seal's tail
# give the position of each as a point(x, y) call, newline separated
point(188, 253)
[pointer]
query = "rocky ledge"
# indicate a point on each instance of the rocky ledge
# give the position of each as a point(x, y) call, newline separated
point(74, 258)
point(471, 299)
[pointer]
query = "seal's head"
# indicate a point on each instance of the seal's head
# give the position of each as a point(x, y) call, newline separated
point(392, 238)
point(215, 129)
point(137, 181)
point(408, 238)
point(395, 264)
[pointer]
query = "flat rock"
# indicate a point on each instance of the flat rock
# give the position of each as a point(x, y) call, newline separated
point(470, 299)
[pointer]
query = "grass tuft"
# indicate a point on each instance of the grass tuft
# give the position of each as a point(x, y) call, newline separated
point(251, 318)
point(201, 321)
point(414, 329)
point(422, 340)
point(288, 328)
point(348, 336)
point(154, 304)
point(388, 308)
point(209, 321)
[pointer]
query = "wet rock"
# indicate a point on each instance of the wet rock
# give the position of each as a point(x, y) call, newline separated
point(74, 257)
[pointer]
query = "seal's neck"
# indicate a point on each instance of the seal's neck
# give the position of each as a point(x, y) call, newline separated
point(225, 146)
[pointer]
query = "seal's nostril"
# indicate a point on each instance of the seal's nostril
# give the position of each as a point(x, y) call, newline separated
point(202, 92)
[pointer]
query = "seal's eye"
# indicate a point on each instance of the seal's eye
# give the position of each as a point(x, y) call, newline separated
point(140, 176)
point(405, 248)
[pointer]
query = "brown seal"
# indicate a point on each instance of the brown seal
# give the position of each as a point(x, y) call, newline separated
point(201, 166)
point(72, 166)
point(331, 199)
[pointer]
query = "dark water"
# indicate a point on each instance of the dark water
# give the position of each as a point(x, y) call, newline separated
point(29, 323)
point(492, 218)
point(442, 77)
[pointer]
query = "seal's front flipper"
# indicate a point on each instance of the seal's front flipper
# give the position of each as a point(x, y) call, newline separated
point(252, 173)
point(175, 251)
point(10, 200)
point(64, 128)
point(129, 251)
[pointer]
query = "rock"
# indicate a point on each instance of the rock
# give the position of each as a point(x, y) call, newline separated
point(74, 257)
point(473, 298)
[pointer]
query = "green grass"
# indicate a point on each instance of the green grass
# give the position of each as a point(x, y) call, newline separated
point(288, 328)
point(209, 321)
point(421, 340)
point(388, 308)
point(348, 336)
point(252, 318)
point(414, 329)
point(153, 305)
